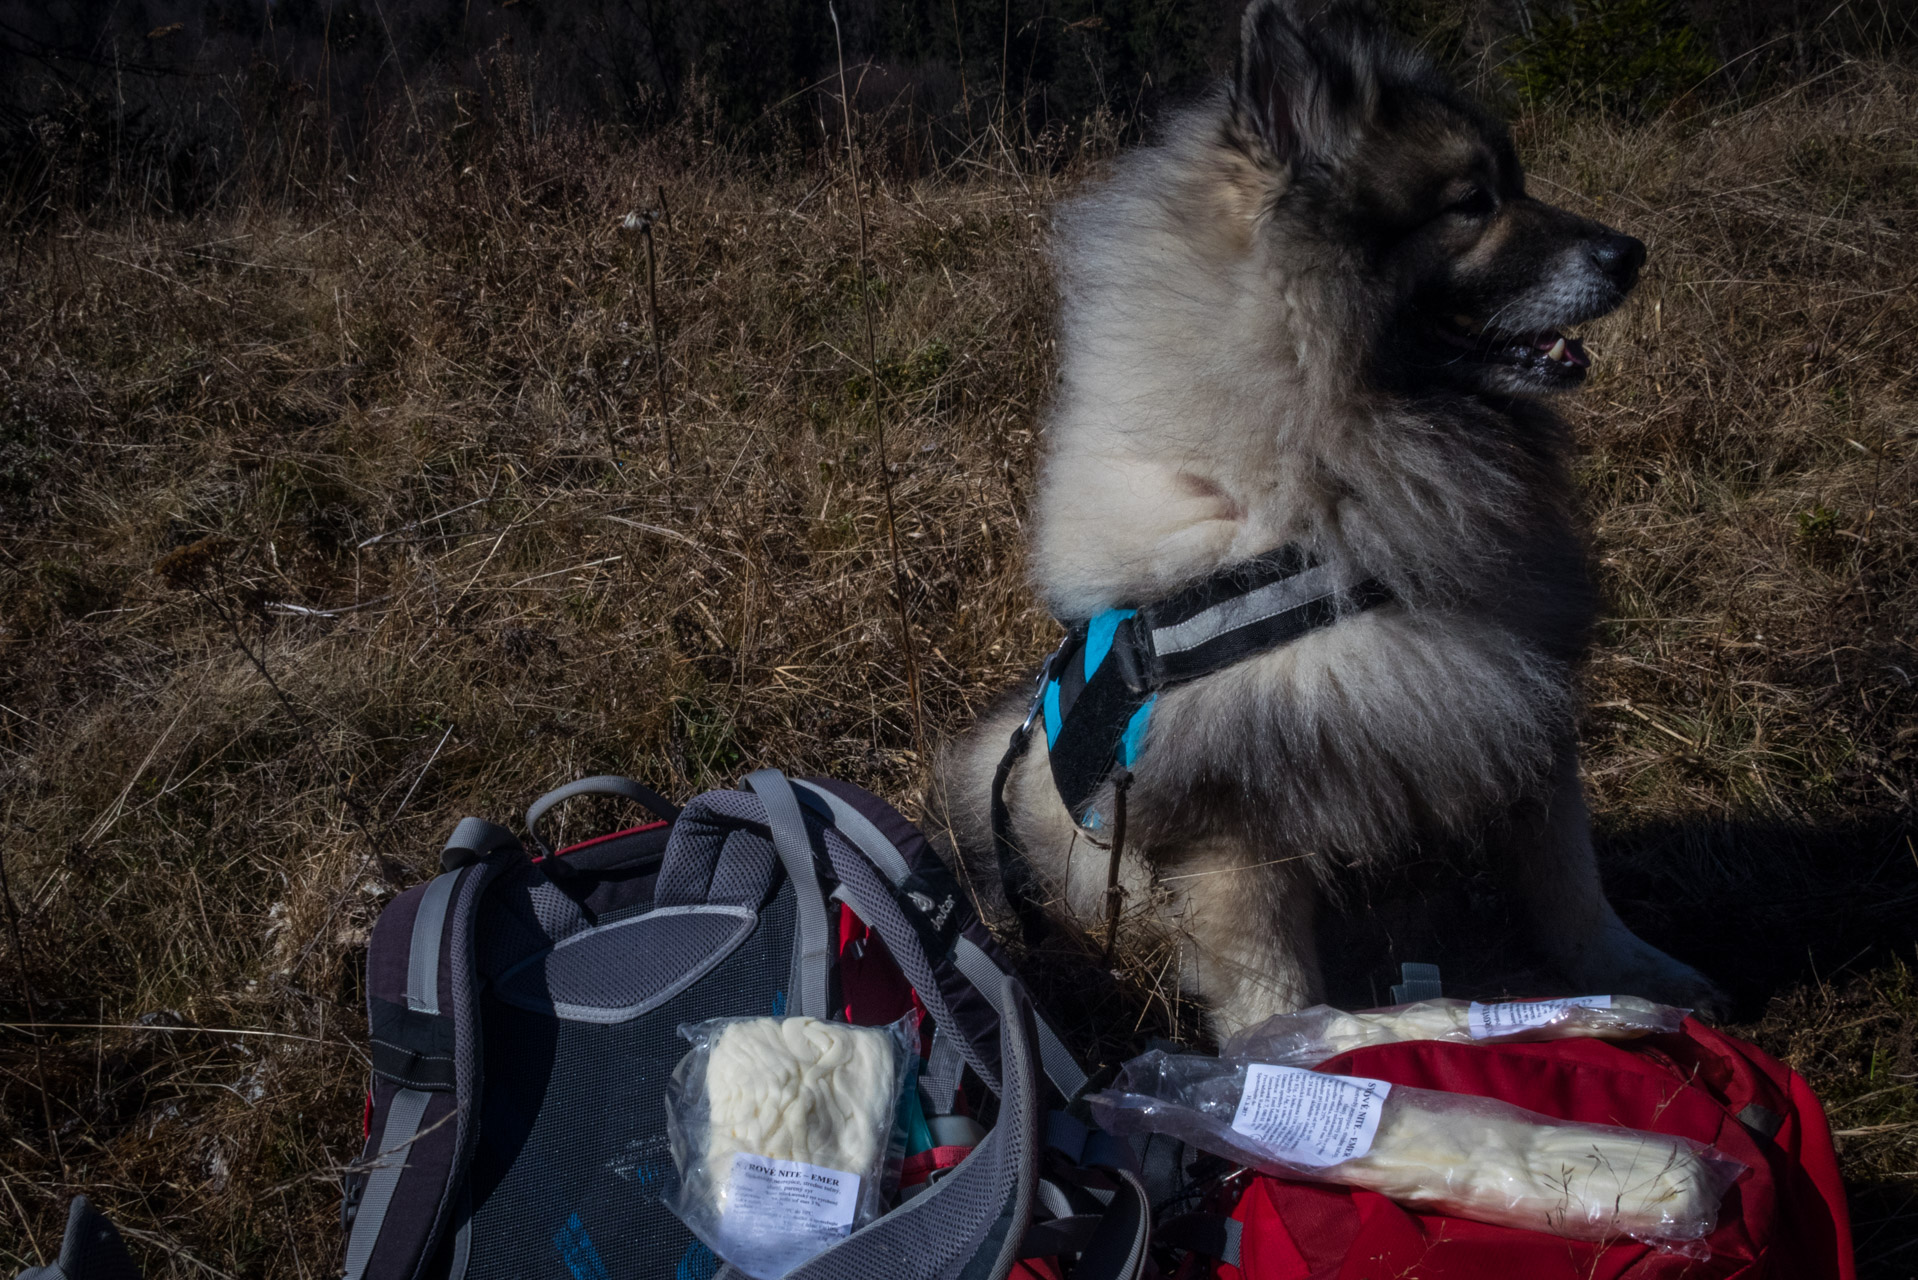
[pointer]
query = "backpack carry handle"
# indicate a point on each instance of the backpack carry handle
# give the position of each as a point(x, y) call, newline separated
point(605, 784)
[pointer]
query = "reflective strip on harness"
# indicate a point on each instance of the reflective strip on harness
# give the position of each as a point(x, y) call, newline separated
point(402, 1125)
point(423, 952)
point(1317, 583)
point(1060, 1066)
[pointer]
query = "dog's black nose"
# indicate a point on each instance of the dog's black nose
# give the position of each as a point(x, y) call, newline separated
point(1620, 258)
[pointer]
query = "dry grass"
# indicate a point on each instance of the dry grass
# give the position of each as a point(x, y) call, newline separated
point(418, 425)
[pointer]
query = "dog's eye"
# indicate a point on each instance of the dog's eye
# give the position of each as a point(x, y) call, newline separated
point(1476, 203)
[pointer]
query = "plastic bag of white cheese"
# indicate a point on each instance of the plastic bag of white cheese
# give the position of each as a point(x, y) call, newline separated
point(1310, 1036)
point(1474, 1158)
point(785, 1133)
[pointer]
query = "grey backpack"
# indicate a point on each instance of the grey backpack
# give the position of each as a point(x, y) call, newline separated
point(524, 1007)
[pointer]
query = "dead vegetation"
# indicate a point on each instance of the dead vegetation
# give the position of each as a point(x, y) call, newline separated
point(330, 518)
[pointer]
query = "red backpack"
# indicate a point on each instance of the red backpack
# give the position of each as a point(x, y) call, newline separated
point(1783, 1220)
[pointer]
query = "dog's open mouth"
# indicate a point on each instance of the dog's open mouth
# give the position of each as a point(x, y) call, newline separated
point(1546, 354)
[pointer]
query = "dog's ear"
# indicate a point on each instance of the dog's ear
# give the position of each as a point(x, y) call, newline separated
point(1308, 78)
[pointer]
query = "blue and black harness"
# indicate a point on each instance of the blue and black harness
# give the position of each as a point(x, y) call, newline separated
point(1096, 692)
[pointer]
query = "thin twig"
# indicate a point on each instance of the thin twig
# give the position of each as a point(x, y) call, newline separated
point(643, 223)
point(878, 419)
point(421, 775)
point(135, 1026)
point(33, 1014)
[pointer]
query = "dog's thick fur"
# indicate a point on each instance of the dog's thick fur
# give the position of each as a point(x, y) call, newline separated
point(1311, 314)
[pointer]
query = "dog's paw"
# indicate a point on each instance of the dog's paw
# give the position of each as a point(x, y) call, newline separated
point(1628, 965)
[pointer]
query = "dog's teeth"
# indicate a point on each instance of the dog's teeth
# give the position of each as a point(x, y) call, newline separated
point(1557, 352)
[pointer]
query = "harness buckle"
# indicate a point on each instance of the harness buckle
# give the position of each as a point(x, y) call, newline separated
point(1039, 682)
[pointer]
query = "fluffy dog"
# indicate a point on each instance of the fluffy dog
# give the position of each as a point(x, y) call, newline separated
point(1323, 311)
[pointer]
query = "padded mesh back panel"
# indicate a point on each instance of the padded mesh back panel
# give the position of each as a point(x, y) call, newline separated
point(615, 971)
point(572, 1159)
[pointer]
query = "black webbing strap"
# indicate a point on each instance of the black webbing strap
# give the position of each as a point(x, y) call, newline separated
point(410, 1048)
point(1209, 1235)
point(1021, 886)
point(1247, 609)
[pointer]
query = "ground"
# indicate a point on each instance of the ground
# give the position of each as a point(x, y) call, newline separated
point(337, 511)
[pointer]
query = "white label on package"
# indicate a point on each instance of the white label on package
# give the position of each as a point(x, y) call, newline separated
point(789, 1197)
point(1487, 1020)
point(1307, 1118)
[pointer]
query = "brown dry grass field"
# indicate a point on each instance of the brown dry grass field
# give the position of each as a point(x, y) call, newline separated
point(397, 447)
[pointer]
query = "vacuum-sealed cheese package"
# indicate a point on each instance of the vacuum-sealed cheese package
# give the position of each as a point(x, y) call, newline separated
point(1310, 1036)
point(1474, 1158)
point(785, 1133)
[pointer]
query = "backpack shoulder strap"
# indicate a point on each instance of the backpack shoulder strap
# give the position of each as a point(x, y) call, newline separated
point(415, 1007)
point(972, 961)
point(972, 1222)
point(812, 977)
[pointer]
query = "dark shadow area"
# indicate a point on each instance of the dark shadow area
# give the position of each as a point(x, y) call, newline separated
point(1759, 906)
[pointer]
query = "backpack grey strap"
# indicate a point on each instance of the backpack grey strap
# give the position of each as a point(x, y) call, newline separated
point(605, 784)
point(423, 952)
point(939, 1078)
point(90, 1250)
point(1060, 1066)
point(1420, 982)
point(812, 966)
point(402, 1125)
point(472, 840)
point(858, 828)
point(463, 1238)
point(969, 1224)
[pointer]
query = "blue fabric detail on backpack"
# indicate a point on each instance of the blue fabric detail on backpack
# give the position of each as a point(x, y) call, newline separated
point(1099, 633)
point(576, 1250)
point(779, 1004)
point(698, 1263)
point(1053, 717)
point(1133, 740)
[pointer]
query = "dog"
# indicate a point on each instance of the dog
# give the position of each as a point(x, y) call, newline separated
point(1323, 311)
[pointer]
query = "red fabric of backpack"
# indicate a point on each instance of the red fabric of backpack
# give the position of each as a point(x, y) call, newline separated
point(1785, 1219)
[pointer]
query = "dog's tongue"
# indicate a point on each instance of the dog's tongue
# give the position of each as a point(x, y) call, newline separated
point(1574, 350)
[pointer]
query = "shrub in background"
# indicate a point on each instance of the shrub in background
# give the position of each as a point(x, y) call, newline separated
point(1633, 57)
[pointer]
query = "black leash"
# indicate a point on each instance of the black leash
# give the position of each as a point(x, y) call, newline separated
point(1015, 873)
point(1114, 894)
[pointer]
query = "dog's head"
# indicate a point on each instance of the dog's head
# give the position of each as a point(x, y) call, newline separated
point(1417, 200)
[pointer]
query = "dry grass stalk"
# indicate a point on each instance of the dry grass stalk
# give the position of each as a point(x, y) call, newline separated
point(908, 650)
